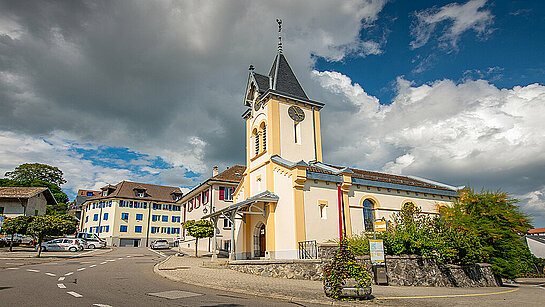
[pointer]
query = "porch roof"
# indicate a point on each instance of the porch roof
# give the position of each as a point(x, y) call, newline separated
point(265, 196)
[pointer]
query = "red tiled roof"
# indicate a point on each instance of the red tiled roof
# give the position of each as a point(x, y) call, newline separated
point(233, 174)
point(376, 176)
point(125, 189)
point(20, 192)
point(537, 230)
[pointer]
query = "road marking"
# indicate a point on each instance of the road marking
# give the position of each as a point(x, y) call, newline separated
point(81, 269)
point(92, 251)
point(86, 262)
point(174, 294)
point(92, 266)
point(110, 260)
point(12, 268)
point(31, 270)
point(50, 274)
point(104, 262)
point(68, 274)
point(61, 278)
point(444, 296)
point(158, 253)
point(74, 294)
point(120, 258)
point(129, 256)
point(102, 305)
point(62, 286)
point(13, 263)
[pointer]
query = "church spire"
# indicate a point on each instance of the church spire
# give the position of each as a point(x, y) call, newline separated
point(279, 21)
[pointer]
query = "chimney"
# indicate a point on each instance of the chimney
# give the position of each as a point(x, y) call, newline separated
point(215, 170)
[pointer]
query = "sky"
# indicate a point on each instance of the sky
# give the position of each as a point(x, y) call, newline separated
point(152, 91)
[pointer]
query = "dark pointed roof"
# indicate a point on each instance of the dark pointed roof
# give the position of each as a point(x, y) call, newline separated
point(283, 79)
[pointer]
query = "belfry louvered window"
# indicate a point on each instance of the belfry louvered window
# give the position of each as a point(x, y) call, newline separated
point(256, 143)
point(264, 137)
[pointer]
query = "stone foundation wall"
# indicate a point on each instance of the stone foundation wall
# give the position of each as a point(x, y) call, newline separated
point(412, 270)
point(292, 269)
point(407, 270)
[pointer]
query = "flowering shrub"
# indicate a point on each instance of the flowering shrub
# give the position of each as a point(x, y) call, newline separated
point(344, 266)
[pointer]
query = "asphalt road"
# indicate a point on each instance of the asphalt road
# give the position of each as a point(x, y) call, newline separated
point(123, 277)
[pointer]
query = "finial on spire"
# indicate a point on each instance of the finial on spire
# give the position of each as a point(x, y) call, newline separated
point(279, 21)
point(251, 68)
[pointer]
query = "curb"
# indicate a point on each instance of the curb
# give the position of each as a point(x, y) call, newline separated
point(291, 299)
point(51, 260)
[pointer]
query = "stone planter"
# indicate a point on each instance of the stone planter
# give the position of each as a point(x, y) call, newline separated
point(352, 290)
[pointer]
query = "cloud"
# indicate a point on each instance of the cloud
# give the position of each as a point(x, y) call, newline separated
point(452, 20)
point(534, 203)
point(163, 78)
point(459, 133)
point(90, 168)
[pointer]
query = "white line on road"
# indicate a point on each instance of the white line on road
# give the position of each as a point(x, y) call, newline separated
point(101, 305)
point(69, 273)
point(31, 270)
point(62, 286)
point(158, 253)
point(13, 263)
point(50, 274)
point(74, 294)
point(120, 258)
point(91, 251)
point(129, 256)
point(81, 269)
point(92, 266)
point(104, 262)
point(111, 260)
point(12, 268)
point(61, 278)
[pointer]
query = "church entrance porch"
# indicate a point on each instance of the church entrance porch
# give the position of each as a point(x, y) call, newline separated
point(252, 227)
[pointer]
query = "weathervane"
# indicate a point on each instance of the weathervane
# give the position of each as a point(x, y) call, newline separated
point(279, 21)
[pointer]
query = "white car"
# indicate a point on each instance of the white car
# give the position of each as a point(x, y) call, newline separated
point(94, 243)
point(63, 244)
point(159, 244)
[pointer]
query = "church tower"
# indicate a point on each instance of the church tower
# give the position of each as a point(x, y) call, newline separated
point(281, 120)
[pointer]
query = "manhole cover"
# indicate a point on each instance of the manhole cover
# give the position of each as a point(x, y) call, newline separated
point(174, 294)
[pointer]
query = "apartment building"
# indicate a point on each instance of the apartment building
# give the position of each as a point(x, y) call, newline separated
point(133, 214)
point(213, 194)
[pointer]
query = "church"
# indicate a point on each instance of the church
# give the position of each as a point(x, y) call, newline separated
point(288, 197)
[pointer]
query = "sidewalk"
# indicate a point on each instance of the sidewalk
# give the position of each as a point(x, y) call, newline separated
point(203, 272)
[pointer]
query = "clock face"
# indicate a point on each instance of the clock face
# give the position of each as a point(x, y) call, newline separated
point(257, 105)
point(296, 113)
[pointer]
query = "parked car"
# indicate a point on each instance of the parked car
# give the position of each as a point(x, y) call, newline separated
point(67, 244)
point(157, 244)
point(94, 243)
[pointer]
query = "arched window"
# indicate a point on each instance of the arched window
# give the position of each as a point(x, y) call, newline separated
point(255, 135)
point(264, 135)
point(368, 215)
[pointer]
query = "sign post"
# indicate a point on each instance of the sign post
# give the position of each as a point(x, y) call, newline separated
point(376, 249)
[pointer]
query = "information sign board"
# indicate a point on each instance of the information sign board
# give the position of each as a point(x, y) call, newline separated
point(380, 225)
point(376, 248)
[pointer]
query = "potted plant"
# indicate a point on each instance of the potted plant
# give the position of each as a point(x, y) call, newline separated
point(344, 277)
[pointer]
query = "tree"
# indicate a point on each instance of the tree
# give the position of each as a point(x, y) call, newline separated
point(58, 194)
point(17, 225)
point(30, 171)
point(199, 229)
point(498, 223)
point(42, 226)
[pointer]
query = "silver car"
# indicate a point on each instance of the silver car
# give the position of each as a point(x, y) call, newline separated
point(63, 244)
point(94, 243)
point(159, 244)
